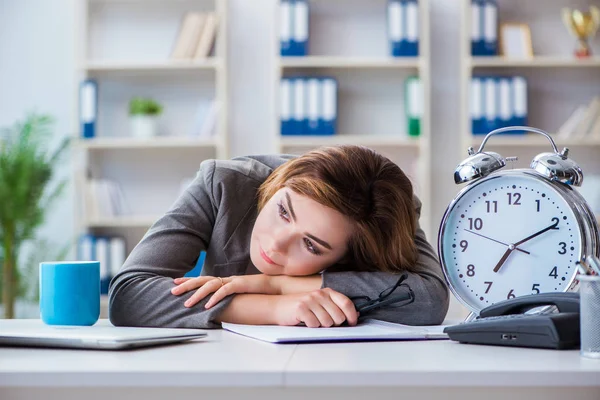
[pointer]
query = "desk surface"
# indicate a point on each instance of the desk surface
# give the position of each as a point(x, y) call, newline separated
point(227, 359)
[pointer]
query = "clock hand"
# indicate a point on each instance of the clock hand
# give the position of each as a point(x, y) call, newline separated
point(553, 226)
point(510, 249)
point(497, 241)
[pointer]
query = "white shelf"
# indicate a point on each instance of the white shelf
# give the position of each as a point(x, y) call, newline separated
point(352, 47)
point(123, 222)
point(535, 62)
point(135, 143)
point(126, 48)
point(362, 140)
point(167, 65)
point(349, 62)
point(534, 141)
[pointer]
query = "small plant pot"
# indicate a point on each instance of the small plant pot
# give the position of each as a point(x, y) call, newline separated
point(144, 126)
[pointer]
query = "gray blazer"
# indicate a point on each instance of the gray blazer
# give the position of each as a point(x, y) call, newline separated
point(216, 214)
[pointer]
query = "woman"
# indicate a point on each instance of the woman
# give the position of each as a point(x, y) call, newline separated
point(288, 241)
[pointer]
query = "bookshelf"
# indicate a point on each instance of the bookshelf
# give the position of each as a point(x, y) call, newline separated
point(350, 44)
point(125, 45)
point(557, 82)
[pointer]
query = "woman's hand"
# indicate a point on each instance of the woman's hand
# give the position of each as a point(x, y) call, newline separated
point(223, 287)
point(318, 308)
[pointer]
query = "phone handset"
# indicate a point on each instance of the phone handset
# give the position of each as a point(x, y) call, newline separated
point(565, 302)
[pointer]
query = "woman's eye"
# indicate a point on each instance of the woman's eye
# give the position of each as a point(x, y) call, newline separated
point(311, 248)
point(283, 212)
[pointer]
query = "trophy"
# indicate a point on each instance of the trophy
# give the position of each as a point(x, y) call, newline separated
point(583, 26)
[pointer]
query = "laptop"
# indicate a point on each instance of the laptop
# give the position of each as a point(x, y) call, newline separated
point(102, 336)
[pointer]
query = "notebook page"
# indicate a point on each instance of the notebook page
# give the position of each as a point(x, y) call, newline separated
point(369, 330)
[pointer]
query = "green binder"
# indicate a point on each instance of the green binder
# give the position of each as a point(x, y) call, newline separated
point(413, 104)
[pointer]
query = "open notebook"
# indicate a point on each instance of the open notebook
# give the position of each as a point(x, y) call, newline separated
point(368, 330)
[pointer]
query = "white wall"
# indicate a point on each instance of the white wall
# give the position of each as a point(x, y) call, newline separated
point(37, 61)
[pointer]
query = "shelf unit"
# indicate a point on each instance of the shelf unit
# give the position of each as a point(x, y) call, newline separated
point(125, 45)
point(350, 44)
point(557, 81)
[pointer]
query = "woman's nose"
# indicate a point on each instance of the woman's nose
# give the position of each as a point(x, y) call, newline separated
point(280, 240)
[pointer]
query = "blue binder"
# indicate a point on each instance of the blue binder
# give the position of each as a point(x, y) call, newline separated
point(409, 46)
point(403, 27)
point(394, 27)
point(477, 28)
point(300, 28)
point(477, 102)
point(285, 111)
point(328, 111)
point(86, 248)
point(504, 93)
point(299, 117)
point(285, 28)
point(519, 91)
point(88, 107)
point(490, 93)
point(314, 100)
point(102, 255)
point(490, 28)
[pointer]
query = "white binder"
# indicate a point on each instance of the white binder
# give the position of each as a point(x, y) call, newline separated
point(299, 107)
point(313, 106)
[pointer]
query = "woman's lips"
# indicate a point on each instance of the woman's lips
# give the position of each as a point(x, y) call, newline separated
point(266, 257)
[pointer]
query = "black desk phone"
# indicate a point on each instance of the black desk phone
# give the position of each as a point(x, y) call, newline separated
point(505, 323)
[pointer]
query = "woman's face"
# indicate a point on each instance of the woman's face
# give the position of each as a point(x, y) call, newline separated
point(295, 235)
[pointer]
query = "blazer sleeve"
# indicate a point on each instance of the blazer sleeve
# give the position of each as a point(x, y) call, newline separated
point(140, 293)
point(429, 286)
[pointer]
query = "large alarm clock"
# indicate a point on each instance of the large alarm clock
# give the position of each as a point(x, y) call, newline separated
point(511, 233)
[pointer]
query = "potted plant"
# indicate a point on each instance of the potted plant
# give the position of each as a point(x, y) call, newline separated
point(26, 194)
point(143, 114)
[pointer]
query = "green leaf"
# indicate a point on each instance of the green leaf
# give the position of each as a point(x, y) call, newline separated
point(27, 191)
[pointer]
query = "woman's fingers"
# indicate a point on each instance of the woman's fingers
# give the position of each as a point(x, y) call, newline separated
point(205, 290)
point(177, 281)
point(322, 315)
point(190, 284)
point(306, 315)
point(345, 305)
point(224, 291)
point(333, 310)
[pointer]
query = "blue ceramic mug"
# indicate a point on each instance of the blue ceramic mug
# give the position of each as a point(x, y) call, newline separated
point(70, 292)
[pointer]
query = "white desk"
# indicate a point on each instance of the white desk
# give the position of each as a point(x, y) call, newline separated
point(228, 366)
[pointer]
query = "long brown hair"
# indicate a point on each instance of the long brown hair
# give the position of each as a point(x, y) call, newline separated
point(366, 187)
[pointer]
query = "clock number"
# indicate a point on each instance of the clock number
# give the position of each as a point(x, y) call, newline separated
point(511, 295)
point(470, 270)
point(491, 205)
point(489, 286)
point(554, 272)
point(563, 249)
point(555, 220)
point(539, 204)
point(463, 245)
point(535, 288)
point(514, 199)
point(477, 223)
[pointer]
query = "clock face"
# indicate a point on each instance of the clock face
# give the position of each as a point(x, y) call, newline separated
point(509, 235)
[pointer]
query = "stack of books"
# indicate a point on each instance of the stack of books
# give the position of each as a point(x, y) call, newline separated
point(583, 123)
point(403, 28)
point(497, 102)
point(204, 124)
point(308, 106)
point(484, 28)
point(103, 198)
point(196, 36)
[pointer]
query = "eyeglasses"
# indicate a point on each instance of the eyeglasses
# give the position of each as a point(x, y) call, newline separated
point(365, 304)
